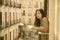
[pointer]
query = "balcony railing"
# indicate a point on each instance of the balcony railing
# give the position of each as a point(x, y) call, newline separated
point(6, 3)
point(6, 24)
point(19, 20)
point(17, 5)
point(14, 4)
point(1, 38)
point(32, 34)
point(13, 21)
point(0, 26)
point(11, 4)
point(1, 2)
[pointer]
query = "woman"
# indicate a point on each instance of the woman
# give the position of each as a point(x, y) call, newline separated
point(41, 22)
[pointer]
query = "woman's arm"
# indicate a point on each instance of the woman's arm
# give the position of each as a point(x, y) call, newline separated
point(43, 27)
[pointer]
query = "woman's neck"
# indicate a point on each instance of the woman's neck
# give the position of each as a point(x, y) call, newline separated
point(41, 18)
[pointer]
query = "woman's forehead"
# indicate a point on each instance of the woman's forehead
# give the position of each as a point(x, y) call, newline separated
point(38, 11)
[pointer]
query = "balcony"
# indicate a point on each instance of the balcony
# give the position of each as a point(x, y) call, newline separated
point(1, 2)
point(16, 20)
point(1, 38)
point(11, 4)
point(6, 3)
point(13, 21)
point(16, 5)
point(29, 34)
point(1, 27)
point(19, 5)
point(6, 24)
point(0, 20)
point(19, 19)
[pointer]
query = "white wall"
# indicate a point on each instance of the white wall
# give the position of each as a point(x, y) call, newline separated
point(52, 19)
point(58, 21)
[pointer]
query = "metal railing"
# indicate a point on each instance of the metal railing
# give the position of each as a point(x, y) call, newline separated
point(34, 36)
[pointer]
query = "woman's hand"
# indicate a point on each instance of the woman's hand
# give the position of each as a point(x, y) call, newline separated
point(35, 28)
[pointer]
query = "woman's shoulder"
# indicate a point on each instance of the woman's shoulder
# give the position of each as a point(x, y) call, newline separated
point(45, 18)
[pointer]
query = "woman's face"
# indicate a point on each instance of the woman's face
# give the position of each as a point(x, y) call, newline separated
point(39, 15)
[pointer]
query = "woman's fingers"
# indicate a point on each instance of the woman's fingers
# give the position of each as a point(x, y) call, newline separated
point(35, 28)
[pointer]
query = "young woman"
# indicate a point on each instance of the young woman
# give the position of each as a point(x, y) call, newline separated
point(41, 22)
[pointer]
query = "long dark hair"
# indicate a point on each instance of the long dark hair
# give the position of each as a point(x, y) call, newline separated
point(38, 21)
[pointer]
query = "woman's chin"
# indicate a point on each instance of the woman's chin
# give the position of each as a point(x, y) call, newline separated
point(38, 18)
